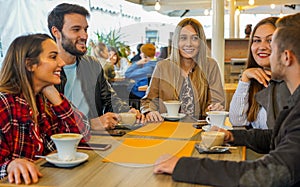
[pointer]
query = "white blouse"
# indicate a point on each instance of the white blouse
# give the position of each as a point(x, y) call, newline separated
point(239, 106)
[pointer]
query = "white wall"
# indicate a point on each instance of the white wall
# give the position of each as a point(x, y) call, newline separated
point(20, 17)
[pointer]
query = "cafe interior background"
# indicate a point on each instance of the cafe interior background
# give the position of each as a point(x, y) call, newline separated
point(140, 21)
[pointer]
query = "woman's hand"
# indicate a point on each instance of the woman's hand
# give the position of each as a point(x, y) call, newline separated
point(154, 116)
point(22, 168)
point(261, 75)
point(165, 164)
point(52, 94)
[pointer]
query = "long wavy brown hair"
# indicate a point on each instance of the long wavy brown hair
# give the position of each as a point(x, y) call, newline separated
point(14, 76)
point(255, 86)
point(200, 71)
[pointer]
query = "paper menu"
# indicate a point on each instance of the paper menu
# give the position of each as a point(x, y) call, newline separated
point(147, 151)
point(167, 129)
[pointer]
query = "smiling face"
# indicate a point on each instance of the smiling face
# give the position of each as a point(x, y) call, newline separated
point(47, 71)
point(260, 48)
point(112, 57)
point(74, 34)
point(189, 42)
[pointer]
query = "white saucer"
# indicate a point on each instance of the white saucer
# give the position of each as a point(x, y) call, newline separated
point(207, 127)
point(203, 149)
point(180, 116)
point(79, 158)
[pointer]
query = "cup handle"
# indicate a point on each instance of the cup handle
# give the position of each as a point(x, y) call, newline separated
point(207, 119)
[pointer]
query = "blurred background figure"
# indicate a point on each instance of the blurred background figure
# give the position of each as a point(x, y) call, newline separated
point(141, 71)
point(137, 57)
point(163, 54)
point(125, 53)
point(248, 30)
point(120, 64)
point(100, 51)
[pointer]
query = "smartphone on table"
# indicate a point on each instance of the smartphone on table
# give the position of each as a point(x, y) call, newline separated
point(200, 123)
point(94, 146)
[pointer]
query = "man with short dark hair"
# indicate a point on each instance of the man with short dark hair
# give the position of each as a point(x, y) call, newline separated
point(83, 79)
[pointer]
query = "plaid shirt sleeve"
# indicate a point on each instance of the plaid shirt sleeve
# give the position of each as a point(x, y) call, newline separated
point(5, 135)
point(70, 119)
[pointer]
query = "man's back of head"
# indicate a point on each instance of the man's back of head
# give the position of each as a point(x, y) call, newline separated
point(287, 35)
point(292, 20)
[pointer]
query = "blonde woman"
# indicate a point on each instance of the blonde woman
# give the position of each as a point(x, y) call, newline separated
point(101, 53)
point(188, 75)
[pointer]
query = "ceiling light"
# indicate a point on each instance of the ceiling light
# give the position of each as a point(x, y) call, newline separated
point(272, 6)
point(237, 11)
point(206, 12)
point(251, 2)
point(157, 5)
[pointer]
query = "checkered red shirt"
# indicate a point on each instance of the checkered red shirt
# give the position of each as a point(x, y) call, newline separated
point(18, 137)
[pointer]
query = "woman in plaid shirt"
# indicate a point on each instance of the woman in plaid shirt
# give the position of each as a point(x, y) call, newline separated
point(31, 109)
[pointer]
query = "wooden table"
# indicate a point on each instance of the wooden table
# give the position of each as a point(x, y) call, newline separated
point(94, 172)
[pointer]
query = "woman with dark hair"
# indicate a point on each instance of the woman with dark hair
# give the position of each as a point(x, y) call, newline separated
point(120, 63)
point(244, 109)
point(189, 75)
point(31, 108)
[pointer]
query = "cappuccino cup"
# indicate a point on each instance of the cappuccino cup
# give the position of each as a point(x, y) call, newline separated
point(66, 145)
point(172, 107)
point(216, 118)
point(212, 138)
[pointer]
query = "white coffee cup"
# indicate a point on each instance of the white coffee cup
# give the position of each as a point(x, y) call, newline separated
point(212, 138)
point(66, 145)
point(172, 107)
point(127, 118)
point(216, 118)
